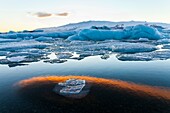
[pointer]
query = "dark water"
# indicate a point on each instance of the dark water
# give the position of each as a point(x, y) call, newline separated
point(34, 99)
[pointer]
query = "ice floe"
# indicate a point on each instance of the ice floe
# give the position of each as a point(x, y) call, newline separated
point(23, 45)
point(72, 86)
point(16, 59)
point(156, 55)
point(136, 41)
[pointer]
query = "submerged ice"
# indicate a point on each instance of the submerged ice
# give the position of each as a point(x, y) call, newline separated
point(72, 86)
point(137, 42)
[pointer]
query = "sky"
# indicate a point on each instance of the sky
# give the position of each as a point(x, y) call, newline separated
point(20, 15)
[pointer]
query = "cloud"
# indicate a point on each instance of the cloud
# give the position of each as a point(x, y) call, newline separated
point(62, 14)
point(42, 14)
point(45, 14)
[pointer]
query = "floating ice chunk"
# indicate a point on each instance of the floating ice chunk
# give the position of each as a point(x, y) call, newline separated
point(16, 59)
point(105, 47)
point(91, 53)
point(12, 63)
point(126, 47)
point(72, 86)
point(23, 45)
point(134, 57)
point(72, 82)
point(33, 51)
point(26, 54)
point(52, 61)
point(72, 89)
point(63, 55)
point(155, 55)
point(22, 57)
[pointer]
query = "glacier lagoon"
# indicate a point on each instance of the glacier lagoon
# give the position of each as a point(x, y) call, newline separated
point(126, 71)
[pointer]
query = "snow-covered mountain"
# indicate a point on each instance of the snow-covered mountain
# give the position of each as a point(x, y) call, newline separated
point(88, 24)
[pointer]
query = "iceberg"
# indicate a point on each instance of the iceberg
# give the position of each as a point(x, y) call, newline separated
point(133, 32)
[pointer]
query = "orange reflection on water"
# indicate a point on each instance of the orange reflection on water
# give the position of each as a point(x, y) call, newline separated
point(150, 90)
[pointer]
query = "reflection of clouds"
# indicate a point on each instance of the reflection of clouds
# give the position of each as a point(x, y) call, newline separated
point(126, 86)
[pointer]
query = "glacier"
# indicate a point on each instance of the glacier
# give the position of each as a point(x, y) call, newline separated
point(129, 41)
